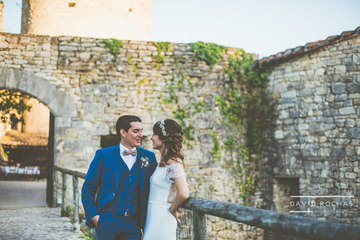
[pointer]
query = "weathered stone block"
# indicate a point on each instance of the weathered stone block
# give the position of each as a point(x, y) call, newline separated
point(13, 78)
point(101, 129)
point(73, 146)
point(351, 175)
point(68, 48)
point(86, 125)
point(346, 110)
point(15, 52)
point(324, 152)
point(3, 74)
point(354, 87)
point(338, 88)
point(47, 93)
point(4, 44)
point(61, 122)
point(63, 105)
point(340, 69)
point(337, 152)
point(289, 94)
point(341, 97)
point(353, 133)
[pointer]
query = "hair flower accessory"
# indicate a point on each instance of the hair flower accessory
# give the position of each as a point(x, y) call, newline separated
point(162, 127)
point(144, 162)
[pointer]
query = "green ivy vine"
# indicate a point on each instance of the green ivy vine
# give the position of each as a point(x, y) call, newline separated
point(211, 53)
point(247, 110)
point(182, 114)
point(131, 62)
point(114, 45)
point(161, 47)
point(217, 147)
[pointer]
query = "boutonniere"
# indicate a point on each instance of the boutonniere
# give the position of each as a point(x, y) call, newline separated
point(144, 162)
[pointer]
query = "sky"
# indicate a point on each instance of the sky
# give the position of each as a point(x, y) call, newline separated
point(264, 27)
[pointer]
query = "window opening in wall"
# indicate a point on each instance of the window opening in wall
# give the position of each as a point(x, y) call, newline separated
point(72, 4)
point(284, 188)
point(130, 9)
point(109, 141)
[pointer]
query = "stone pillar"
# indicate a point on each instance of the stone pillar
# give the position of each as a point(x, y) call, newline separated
point(1, 15)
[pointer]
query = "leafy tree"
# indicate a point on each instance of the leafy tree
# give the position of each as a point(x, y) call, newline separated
point(3, 156)
point(12, 106)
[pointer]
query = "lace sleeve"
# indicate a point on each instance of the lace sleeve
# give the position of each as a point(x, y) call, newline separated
point(175, 170)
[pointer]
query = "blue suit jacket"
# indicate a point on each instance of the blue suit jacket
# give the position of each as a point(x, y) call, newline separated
point(103, 178)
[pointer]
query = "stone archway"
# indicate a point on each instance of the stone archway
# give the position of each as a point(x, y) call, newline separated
point(61, 107)
point(59, 104)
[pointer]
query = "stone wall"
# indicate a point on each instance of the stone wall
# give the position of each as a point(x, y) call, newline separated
point(105, 19)
point(86, 88)
point(317, 134)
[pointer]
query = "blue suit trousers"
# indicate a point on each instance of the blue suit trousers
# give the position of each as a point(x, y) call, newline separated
point(112, 226)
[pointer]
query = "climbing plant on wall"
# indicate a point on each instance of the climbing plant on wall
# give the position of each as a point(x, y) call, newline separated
point(179, 83)
point(211, 53)
point(114, 45)
point(245, 106)
point(248, 111)
point(176, 85)
point(161, 47)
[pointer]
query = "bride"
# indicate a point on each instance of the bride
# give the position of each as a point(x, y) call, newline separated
point(168, 186)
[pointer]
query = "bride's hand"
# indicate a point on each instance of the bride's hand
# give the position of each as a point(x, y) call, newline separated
point(177, 214)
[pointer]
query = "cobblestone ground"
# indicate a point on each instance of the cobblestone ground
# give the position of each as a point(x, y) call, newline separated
point(35, 223)
point(23, 194)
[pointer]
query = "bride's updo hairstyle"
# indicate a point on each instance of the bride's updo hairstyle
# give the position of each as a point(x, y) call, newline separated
point(171, 135)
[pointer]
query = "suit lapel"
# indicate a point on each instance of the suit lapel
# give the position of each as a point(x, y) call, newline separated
point(139, 155)
point(116, 164)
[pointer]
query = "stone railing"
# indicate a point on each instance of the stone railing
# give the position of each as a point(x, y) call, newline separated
point(281, 223)
point(297, 226)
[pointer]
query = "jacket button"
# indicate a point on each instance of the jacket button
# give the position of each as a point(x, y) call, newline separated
point(113, 194)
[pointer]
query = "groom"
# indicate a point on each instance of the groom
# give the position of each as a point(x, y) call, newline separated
point(116, 187)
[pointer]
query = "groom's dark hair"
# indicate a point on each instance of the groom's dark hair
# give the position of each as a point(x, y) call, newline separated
point(124, 123)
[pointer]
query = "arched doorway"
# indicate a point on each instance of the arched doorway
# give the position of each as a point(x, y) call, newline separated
point(60, 105)
point(24, 134)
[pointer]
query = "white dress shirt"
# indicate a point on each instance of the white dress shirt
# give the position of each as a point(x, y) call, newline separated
point(128, 159)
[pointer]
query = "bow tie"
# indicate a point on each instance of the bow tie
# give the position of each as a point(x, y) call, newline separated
point(129, 152)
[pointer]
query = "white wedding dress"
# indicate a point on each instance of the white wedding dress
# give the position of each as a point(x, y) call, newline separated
point(160, 223)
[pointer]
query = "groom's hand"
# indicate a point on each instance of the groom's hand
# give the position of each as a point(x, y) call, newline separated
point(95, 220)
